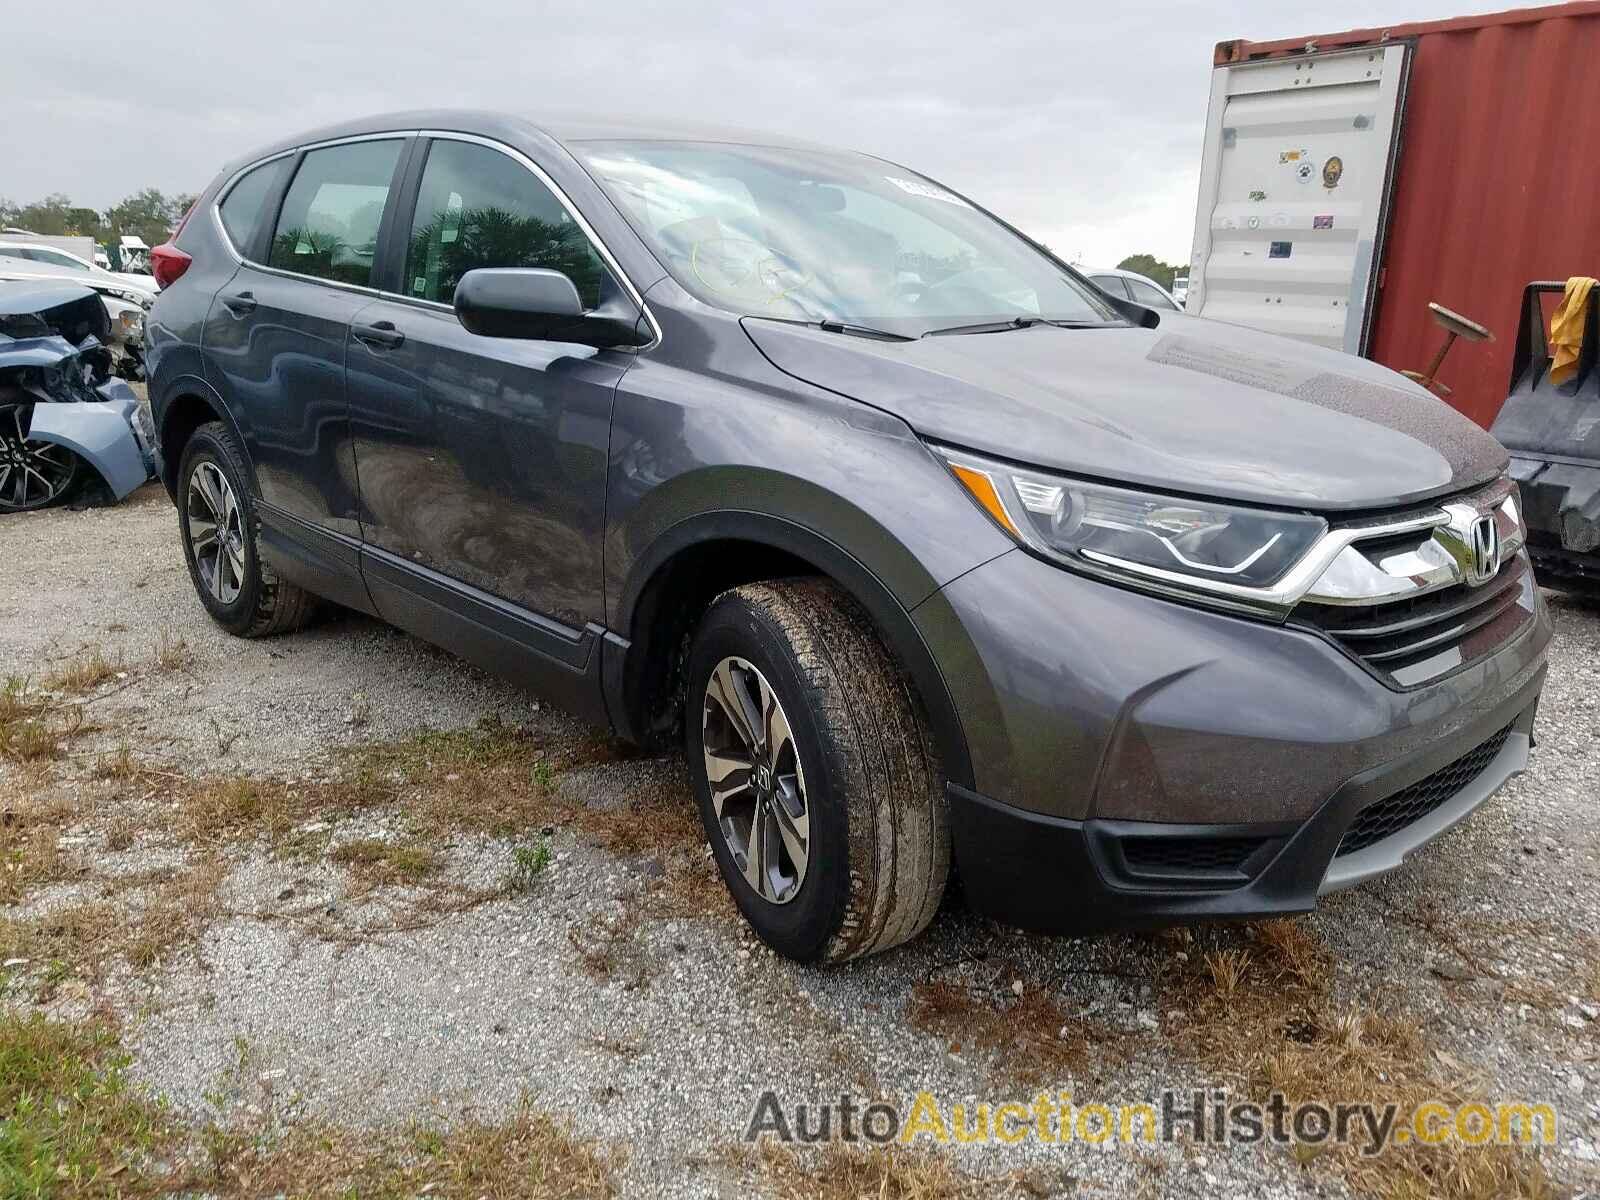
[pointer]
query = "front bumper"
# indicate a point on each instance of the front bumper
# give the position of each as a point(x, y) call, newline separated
point(1561, 504)
point(1137, 761)
point(1056, 875)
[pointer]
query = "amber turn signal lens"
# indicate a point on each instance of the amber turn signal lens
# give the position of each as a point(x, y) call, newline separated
point(983, 491)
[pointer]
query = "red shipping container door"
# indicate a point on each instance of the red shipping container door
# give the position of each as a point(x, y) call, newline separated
point(1495, 182)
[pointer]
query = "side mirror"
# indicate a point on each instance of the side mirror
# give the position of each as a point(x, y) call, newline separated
point(541, 305)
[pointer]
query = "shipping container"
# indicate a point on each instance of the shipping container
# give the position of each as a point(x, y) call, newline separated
point(1349, 179)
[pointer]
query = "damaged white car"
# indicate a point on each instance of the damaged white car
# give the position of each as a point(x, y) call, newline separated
point(65, 417)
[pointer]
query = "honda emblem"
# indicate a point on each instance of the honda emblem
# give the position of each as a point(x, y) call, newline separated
point(1485, 547)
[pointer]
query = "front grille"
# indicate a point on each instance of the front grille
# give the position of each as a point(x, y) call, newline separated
point(1189, 855)
point(1418, 640)
point(1387, 817)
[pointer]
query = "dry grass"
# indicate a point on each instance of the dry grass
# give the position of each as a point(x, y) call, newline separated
point(1031, 1040)
point(85, 673)
point(842, 1172)
point(1262, 1016)
point(142, 919)
point(529, 1157)
point(608, 948)
point(171, 652)
point(34, 727)
point(380, 863)
point(31, 824)
point(117, 765)
point(74, 1127)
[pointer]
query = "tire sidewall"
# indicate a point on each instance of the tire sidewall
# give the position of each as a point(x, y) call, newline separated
point(800, 929)
point(206, 446)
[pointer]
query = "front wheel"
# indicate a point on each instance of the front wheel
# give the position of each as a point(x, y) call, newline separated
point(815, 775)
point(33, 473)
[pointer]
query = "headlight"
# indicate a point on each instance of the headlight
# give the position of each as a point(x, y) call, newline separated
point(1171, 542)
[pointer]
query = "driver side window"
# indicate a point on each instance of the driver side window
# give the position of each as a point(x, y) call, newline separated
point(477, 207)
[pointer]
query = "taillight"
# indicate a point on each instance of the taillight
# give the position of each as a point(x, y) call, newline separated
point(168, 263)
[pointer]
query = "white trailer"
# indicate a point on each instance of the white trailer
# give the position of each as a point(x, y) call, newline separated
point(1294, 185)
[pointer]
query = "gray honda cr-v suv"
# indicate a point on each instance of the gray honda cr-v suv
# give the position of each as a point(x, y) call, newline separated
point(932, 553)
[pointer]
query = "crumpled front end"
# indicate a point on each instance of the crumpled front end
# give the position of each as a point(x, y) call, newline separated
point(1551, 425)
point(61, 403)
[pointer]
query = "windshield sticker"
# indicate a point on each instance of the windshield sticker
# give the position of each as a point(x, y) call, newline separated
point(1322, 222)
point(916, 187)
point(1280, 250)
point(1332, 172)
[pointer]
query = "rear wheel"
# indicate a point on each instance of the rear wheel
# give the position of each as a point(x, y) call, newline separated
point(33, 473)
point(814, 771)
point(217, 519)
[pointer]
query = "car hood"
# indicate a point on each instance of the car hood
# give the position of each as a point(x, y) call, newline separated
point(1190, 406)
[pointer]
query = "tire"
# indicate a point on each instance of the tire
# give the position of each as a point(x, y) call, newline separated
point(250, 600)
point(876, 842)
point(34, 474)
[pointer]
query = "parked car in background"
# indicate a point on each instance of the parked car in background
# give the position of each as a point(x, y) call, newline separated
point(125, 307)
point(1180, 288)
point(64, 416)
point(1129, 285)
point(1140, 617)
point(54, 257)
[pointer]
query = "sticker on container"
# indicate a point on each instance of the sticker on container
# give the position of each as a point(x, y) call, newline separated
point(1332, 172)
point(1304, 172)
point(1323, 222)
point(1291, 156)
point(1280, 250)
point(927, 191)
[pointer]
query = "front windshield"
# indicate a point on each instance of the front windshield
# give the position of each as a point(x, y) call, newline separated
point(814, 236)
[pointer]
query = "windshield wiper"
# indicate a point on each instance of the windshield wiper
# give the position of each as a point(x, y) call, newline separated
point(866, 331)
point(987, 326)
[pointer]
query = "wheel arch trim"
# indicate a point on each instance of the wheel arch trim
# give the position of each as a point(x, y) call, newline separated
point(625, 647)
point(163, 408)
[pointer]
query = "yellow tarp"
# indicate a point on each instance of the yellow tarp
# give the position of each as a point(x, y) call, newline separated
point(1566, 328)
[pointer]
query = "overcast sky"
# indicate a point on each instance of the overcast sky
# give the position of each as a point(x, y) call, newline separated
point(1081, 123)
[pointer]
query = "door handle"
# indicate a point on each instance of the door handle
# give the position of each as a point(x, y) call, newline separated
point(240, 304)
point(380, 333)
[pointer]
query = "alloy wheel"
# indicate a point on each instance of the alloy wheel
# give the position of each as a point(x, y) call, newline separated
point(758, 789)
point(216, 532)
point(33, 473)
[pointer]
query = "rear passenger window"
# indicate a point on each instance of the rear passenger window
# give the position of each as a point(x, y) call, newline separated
point(1112, 284)
point(1149, 296)
point(480, 208)
point(242, 207)
point(329, 224)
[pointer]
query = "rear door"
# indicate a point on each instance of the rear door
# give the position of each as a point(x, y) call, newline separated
point(1294, 189)
point(275, 338)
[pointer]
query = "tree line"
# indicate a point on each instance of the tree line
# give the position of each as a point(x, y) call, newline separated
point(1152, 267)
point(150, 214)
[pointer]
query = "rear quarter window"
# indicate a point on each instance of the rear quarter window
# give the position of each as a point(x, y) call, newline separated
point(243, 209)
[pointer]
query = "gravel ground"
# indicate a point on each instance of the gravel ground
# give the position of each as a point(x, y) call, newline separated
point(262, 1019)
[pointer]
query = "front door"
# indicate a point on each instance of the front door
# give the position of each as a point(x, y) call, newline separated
point(482, 461)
